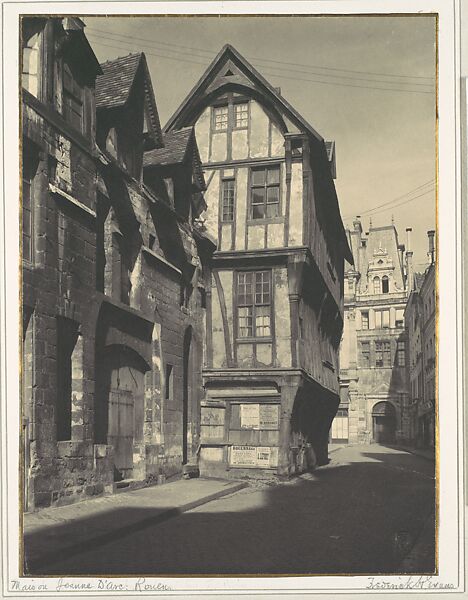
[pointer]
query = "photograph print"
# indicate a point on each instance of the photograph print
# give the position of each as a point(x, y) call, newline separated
point(229, 295)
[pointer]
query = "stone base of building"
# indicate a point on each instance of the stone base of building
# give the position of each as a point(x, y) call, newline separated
point(82, 470)
point(264, 425)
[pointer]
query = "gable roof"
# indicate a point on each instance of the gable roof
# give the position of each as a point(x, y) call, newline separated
point(114, 86)
point(174, 150)
point(179, 147)
point(226, 53)
point(248, 76)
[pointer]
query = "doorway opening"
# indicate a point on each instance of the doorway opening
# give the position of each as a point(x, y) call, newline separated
point(383, 423)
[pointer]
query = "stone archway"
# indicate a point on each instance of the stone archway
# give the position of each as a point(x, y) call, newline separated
point(383, 423)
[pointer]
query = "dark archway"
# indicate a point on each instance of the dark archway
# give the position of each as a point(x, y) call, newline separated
point(383, 422)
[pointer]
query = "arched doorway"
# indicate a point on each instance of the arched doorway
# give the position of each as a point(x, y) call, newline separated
point(383, 423)
point(120, 395)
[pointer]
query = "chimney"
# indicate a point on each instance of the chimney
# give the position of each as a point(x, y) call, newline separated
point(408, 239)
point(357, 224)
point(409, 261)
point(431, 253)
point(401, 254)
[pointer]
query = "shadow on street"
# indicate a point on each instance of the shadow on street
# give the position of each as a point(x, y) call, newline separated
point(360, 514)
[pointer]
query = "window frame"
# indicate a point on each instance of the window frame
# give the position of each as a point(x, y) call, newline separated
point(400, 352)
point(265, 187)
point(214, 108)
point(37, 50)
point(224, 181)
point(385, 351)
point(362, 353)
point(385, 283)
point(235, 126)
point(253, 337)
point(365, 319)
point(376, 282)
point(70, 94)
point(400, 322)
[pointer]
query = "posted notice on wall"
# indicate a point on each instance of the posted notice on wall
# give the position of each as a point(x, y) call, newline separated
point(254, 456)
point(259, 416)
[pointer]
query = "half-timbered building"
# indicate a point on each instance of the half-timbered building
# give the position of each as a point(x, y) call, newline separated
point(275, 294)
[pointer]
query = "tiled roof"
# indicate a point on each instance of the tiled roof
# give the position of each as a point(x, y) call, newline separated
point(114, 85)
point(174, 150)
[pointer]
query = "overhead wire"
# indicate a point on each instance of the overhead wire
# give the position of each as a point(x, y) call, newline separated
point(391, 202)
point(270, 70)
point(264, 59)
point(391, 205)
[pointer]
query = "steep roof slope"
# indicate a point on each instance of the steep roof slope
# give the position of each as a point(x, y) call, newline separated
point(114, 88)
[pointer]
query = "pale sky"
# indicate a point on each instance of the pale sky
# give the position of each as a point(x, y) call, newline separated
point(327, 68)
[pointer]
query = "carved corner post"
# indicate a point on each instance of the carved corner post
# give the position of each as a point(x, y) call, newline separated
point(296, 265)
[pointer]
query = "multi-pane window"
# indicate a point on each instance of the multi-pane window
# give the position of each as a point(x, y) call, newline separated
point(254, 304)
point(228, 200)
point(72, 99)
point(365, 320)
point(365, 354)
point(264, 200)
point(220, 118)
point(401, 356)
point(382, 354)
point(241, 115)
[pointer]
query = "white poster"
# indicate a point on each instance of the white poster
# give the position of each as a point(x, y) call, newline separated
point(244, 456)
point(250, 416)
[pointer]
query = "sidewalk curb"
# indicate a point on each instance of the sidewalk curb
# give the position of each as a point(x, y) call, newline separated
point(33, 564)
point(414, 452)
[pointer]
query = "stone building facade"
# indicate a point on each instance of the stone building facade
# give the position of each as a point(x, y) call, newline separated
point(275, 294)
point(373, 358)
point(113, 275)
point(420, 318)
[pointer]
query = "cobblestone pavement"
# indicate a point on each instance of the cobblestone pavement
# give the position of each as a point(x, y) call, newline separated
point(362, 513)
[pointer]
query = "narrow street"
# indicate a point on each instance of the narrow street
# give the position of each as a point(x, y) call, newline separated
point(362, 513)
